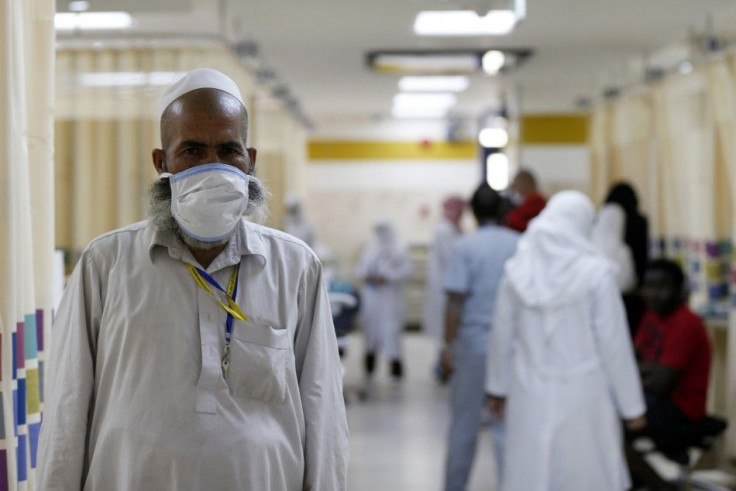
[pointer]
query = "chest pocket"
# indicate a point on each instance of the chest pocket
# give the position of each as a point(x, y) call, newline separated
point(259, 357)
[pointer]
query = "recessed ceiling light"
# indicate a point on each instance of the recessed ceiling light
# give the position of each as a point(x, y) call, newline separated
point(493, 61)
point(426, 63)
point(433, 84)
point(66, 21)
point(448, 62)
point(493, 137)
point(464, 23)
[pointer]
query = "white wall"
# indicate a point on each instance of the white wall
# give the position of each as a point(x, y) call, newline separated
point(345, 199)
point(558, 167)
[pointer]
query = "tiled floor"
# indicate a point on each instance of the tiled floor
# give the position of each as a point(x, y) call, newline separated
point(398, 434)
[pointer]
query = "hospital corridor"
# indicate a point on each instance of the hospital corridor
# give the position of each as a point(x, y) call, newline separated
point(389, 245)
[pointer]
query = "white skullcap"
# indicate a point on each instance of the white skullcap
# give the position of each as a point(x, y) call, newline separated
point(200, 78)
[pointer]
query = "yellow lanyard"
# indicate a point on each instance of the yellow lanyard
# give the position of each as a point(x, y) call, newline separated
point(204, 281)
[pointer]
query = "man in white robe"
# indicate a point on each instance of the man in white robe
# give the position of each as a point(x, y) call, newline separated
point(561, 368)
point(158, 380)
point(384, 268)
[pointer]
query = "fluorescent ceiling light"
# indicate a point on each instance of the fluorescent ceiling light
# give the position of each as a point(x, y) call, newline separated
point(433, 84)
point(493, 61)
point(419, 113)
point(414, 105)
point(493, 137)
point(66, 21)
point(464, 23)
point(427, 64)
point(128, 79)
point(497, 171)
point(424, 101)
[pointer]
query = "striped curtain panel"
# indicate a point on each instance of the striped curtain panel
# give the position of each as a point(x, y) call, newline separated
point(26, 229)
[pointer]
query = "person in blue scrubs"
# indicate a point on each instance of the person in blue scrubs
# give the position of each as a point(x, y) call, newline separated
point(471, 282)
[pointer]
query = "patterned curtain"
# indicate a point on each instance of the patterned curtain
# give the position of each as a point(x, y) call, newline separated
point(26, 229)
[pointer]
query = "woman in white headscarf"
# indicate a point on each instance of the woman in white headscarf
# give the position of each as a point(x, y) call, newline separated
point(608, 235)
point(561, 368)
point(384, 267)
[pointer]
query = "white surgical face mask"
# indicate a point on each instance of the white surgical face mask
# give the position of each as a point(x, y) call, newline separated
point(208, 200)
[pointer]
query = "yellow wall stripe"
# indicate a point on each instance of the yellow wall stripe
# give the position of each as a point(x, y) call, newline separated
point(382, 150)
point(547, 129)
point(554, 129)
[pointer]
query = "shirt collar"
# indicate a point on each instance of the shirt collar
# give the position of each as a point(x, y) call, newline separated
point(246, 241)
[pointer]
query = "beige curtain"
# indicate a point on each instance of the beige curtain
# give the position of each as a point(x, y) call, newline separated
point(599, 143)
point(26, 229)
point(106, 127)
point(676, 141)
point(721, 79)
point(282, 146)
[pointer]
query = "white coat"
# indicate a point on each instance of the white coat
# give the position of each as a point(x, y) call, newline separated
point(435, 298)
point(561, 354)
point(384, 306)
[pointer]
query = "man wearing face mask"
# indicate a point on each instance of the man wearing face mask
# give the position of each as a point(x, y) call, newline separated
point(195, 350)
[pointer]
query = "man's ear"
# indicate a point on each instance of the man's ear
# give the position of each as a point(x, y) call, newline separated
point(252, 154)
point(159, 160)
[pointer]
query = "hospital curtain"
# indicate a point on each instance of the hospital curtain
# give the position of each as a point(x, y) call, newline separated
point(106, 127)
point(26, 229)
point(685, 134)
point(631, 157)
point(599, 152)
point(661, 140)
point(722, 100)
point(282, 144)
point(687, 181)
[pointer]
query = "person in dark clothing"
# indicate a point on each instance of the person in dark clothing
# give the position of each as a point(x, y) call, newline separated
point(637, 238)
point(674, 356)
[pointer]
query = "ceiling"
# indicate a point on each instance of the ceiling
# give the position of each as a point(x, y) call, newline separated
point(318, 47)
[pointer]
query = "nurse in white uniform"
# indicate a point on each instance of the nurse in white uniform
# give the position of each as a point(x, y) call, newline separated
point(384, 267)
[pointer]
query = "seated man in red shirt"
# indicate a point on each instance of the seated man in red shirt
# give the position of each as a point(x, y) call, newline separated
point(532, 202)
point(674, 354)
